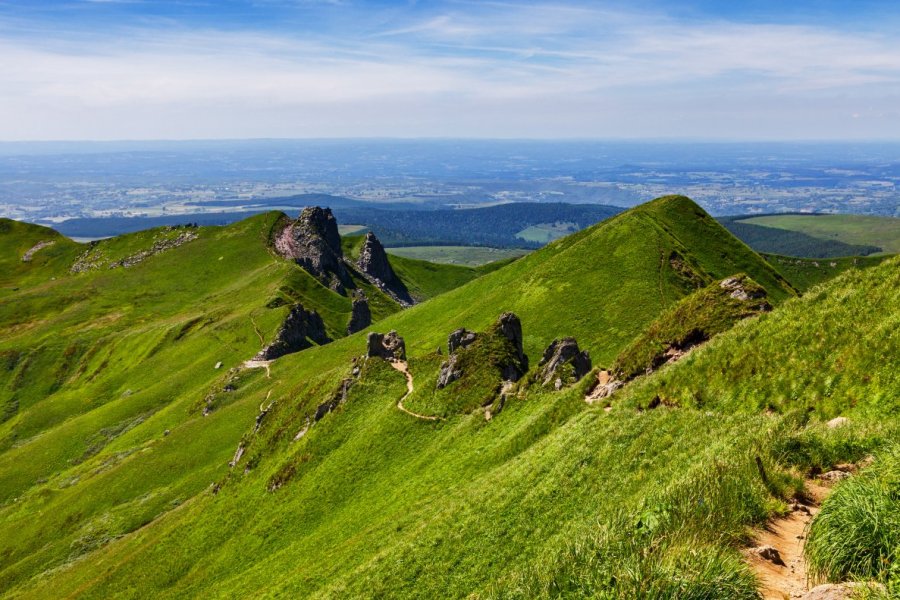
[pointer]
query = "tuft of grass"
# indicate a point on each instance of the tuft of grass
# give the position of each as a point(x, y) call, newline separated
point(856, 535)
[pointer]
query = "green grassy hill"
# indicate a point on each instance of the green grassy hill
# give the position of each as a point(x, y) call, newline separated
point(115, 484)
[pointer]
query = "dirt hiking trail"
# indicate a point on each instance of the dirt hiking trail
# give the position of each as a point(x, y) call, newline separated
point(786, 536)
point(403, 367)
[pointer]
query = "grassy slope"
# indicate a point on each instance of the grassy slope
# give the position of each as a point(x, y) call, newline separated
point(16, 238)
point(370, 469)
point(694, 319)
point(804, 273)
point(883, 232)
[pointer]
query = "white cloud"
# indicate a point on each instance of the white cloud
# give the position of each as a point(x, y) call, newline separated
point(508, 70)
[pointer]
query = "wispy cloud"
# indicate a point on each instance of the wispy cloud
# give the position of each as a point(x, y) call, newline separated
point(466, 69)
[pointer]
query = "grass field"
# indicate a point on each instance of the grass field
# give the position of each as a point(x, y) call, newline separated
point(352, 229)
point(883, 232)
point(546, 232)
point(470, 256)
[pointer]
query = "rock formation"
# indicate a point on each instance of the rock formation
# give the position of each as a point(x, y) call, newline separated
point(564, 363)
point(449, 372)
point(313, 242)
point(389, 346)
point(512, 365)
point(300, 329)
point(360, 316)
point(461, 338)
point(373, 263)
point(510, 327)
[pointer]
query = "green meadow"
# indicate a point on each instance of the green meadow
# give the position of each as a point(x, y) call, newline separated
point(133, 464)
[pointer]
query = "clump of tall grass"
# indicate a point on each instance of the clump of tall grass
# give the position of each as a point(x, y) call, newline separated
point(857, 533)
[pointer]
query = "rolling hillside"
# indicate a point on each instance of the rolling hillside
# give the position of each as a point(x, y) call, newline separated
point(132, 467)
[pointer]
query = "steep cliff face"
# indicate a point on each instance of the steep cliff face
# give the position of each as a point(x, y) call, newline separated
point(313, 242)
point(299, 331)
point(374, 264)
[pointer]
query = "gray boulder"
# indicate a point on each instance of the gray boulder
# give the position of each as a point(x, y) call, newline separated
point(564, 353)
point(299, 331)
point(389, 346)
point(449, 372)
point(461, 338)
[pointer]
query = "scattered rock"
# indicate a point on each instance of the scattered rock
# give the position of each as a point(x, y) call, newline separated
point(295, 334)
point(166, 432)
point(218, 365)
point(313, 242)
point(374, 264)
point(770, 554)
point(92, 258)
point(837, 422)
point(564, 362)
point(461, 338)
point(834, 476)
point(360, 315)
point(389, 346)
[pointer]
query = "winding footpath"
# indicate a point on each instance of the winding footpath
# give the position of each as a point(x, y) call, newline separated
point(403, 367)
point(786, 535)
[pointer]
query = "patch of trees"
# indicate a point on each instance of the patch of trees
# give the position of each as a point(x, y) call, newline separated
point(494, 226)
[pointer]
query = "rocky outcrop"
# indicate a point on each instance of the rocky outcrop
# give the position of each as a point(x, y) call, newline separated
point(166, 239)
point(511, 361)
point(299, 331)
point(360, 315)
point(337, 398)
point(461, 338)
point(564, 363)
point(510, 327)
point(389, 346)
point(741, 292)
point(606, 386)
point(374, 264)
point(313, 242)
point(449, 372)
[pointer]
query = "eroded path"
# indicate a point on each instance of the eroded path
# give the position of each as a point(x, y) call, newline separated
point(403, 367)
point(786, 536)
point(259, 364)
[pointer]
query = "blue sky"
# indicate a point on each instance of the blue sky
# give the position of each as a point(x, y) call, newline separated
point(158, 69)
